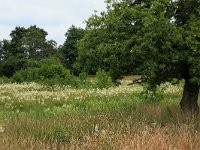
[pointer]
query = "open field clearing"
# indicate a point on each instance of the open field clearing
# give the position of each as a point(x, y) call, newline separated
point(33, 116)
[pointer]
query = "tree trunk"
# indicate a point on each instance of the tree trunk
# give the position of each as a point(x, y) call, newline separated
point(189, 101)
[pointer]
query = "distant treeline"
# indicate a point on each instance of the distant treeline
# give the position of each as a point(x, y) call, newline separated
point(156, 38)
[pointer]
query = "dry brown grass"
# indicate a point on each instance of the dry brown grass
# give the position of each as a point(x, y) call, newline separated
point(126, 80)
point(144, 137)
point(132, 77)
point(149, 127)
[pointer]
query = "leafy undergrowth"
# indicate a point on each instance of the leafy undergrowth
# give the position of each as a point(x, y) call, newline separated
point(37, 117)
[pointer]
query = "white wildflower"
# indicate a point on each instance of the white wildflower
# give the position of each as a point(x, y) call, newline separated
point(1, 129)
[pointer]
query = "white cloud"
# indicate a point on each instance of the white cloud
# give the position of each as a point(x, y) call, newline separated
point(54, 16)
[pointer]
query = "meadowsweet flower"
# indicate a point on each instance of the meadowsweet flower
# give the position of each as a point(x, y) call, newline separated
point(1, 129)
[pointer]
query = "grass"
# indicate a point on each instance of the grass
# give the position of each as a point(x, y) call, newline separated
point(33, 116)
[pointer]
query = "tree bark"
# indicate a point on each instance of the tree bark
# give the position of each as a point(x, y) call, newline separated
point(189, 101)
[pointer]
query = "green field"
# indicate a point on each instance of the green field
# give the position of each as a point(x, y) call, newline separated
point(34, 116)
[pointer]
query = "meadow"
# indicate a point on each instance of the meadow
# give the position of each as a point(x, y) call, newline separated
point(34, 116)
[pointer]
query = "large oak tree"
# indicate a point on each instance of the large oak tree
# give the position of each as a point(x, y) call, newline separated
point(169, 44)
point(162, 36)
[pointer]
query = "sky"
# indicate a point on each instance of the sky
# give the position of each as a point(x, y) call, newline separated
point(54, 16)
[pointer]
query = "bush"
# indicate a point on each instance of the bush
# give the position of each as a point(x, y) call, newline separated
point(103, 80)
point(48, 71)
point(83, 76)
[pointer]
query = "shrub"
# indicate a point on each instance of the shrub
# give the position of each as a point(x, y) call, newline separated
point(103, 80)
point(83, 76)
point(48, 71)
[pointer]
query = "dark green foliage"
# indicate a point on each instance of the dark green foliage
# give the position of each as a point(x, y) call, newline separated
point(16, 41)
point(10, 65)
point(35, 44)
point(48, 71)
point(69, 48)
point(158, 38)
point(25, 44)
point(107, 41)
point(166, 49)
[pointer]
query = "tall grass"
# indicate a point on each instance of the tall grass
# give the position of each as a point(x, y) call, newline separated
point(37, 117)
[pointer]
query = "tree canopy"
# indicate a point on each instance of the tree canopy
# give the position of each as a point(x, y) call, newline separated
point(107, 42)
point(159, 39)
point(69, 48)
point(30, 43)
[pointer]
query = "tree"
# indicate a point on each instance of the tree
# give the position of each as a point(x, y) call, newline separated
point(107, 42)
point(25, 44)
point(16, 41)
point(12, 58)
point(35, 43)
point(163, 36)
point(69, 48)
point(170, 46)
point(4, 47)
